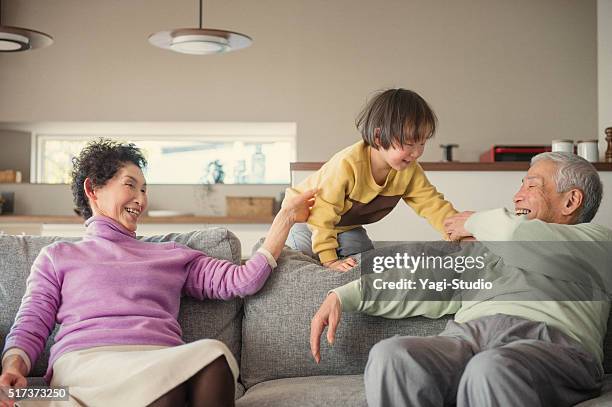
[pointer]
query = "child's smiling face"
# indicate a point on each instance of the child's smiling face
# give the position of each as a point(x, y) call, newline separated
point(400, 157)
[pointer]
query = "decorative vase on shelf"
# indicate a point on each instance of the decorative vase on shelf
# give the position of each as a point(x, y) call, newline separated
point(214, 173)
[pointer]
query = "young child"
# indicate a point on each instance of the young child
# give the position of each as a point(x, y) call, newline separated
point(362, 183)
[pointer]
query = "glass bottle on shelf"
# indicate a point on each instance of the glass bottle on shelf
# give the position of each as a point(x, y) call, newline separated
point(258, 166)
point(240, 172)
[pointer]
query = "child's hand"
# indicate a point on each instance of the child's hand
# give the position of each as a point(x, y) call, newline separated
point(341, 264)
point(298, 207)
point(454, 226)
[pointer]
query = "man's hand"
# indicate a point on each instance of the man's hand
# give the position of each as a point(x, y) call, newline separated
point(341, 264)
point(328, 315)
point(454, 226)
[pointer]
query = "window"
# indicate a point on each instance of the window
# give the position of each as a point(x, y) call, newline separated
point(232, 156)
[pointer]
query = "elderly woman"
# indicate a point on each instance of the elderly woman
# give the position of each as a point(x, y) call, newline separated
point(117, 298)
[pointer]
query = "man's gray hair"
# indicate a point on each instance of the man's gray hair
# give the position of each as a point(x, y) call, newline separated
point(575, 172)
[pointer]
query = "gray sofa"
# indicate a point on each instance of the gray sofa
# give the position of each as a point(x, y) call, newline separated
point(268, 333)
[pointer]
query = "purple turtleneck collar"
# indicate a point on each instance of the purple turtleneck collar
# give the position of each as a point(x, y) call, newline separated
point(107, 228)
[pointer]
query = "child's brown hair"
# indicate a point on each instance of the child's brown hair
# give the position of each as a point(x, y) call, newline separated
point(401, 116)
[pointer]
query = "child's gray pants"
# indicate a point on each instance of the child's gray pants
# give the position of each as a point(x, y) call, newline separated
point(350, 242)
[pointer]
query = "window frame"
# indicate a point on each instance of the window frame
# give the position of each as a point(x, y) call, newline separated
point(179, 131)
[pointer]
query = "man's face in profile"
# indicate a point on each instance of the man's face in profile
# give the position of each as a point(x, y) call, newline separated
point(538, 197)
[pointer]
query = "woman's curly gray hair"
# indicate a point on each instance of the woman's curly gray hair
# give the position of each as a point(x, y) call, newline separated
point(99, 161)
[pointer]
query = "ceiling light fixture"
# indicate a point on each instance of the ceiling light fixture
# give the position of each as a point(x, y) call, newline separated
point(15, 39)
point(200, 41)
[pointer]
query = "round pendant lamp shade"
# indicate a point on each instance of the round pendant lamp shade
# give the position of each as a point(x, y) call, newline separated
point(15, 39)
point(200, 41)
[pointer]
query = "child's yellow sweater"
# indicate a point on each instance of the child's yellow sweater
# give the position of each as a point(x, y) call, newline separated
point(349, 197)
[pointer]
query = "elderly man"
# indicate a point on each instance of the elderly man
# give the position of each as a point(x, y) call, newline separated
point(498, 352)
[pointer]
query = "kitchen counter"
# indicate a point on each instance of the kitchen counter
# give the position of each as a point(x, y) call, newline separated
point(472, 186)
point(249, 230)
point(456, 166)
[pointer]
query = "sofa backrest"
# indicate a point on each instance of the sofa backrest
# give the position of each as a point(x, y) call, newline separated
point(276, 326)
point(209, 319)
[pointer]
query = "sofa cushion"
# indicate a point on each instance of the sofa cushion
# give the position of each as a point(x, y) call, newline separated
point(314, 391)
point(276, 325)
point(323, 391)
point(607, 347)
point(605, 400)
point(212, 319)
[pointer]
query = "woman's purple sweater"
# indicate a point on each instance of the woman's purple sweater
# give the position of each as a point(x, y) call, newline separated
point(113, 289)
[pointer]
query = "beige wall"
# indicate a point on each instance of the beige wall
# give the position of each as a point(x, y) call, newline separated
point(604, 68)
point(495, 71)
point(15, 152)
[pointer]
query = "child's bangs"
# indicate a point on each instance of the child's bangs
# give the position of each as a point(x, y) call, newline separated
point(411, 132)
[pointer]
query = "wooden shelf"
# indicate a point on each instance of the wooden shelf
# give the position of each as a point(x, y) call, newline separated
point(210, 220)
point(454, 166)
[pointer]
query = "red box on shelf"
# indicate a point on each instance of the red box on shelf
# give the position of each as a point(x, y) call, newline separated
point(512, 153)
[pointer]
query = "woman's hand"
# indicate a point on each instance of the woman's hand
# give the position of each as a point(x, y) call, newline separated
point(12, 375)
point(341, 264)
point(454, 226)
point(298, 208)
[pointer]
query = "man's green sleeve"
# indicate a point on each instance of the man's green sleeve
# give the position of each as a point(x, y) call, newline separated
point(350, 296)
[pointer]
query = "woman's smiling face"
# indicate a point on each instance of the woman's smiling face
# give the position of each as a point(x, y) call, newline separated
point(123, 198)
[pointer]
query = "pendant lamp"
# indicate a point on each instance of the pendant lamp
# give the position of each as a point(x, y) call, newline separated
point(15, 39)
point(200, 41)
